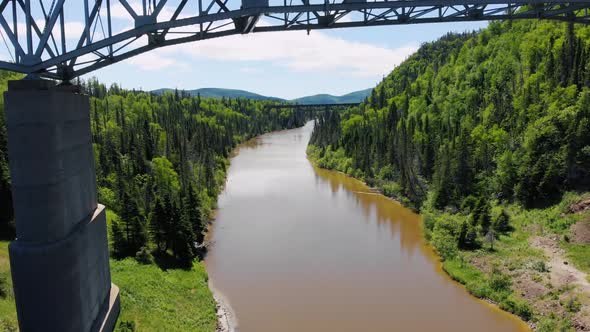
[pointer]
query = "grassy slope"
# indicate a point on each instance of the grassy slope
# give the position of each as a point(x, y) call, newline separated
point(7, 306)
point(155, 300)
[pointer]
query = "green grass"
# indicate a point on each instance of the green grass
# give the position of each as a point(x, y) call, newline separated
point(579, 255)
point(464, 273)
point(156, 300)
point(152, 299)
point(8, 320)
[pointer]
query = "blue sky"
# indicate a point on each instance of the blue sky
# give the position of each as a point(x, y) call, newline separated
point(282, 64)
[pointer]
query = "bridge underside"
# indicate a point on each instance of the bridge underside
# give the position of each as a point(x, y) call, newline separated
point(48, 48)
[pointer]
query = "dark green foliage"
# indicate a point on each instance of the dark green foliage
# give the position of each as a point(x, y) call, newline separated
point(119, 241)
point(184, 239)
point(468, 236)
point(502, 222)
point(7, 228)
point(126, 326)
point(144, 256)
point(540, 266)
point(193, 214)
point(468, 204)
point(518, 307)
point(481, 215)
point(158, 219)
point(499, 282)
point(4, 287)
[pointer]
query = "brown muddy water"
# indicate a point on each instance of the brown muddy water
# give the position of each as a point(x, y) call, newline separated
point(296, 248)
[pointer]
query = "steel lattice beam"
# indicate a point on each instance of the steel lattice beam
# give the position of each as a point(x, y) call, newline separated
point(39, 41)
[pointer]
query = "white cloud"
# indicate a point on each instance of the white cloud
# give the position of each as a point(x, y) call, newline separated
point(155, 61)
point(119, 12)
point(300, 52)
point(72, 29)
point(295, 50)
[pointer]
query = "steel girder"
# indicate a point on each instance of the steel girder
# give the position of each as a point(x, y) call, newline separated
point(63, 39)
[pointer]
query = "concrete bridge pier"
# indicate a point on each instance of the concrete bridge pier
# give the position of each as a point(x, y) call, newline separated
point(60, 259)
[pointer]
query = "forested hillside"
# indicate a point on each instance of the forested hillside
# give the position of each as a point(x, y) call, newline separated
point(503, 112)
point(484, 132)
point(160, 163)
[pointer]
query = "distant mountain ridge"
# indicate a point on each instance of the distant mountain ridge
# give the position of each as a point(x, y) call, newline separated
point(219, 93)
point(353, 97)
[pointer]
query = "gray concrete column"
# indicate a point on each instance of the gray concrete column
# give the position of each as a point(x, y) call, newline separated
point(60, 259)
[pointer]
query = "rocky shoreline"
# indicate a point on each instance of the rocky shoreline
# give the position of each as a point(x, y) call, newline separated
point(226, 318)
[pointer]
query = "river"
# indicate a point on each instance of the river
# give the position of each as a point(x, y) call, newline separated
point(296, 248)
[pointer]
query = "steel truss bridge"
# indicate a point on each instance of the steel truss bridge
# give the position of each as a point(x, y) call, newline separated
point(312, 106)
point(64, 39)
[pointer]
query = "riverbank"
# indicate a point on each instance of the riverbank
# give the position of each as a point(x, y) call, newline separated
point(537, 271)
point(538, 262)
point(226, 317)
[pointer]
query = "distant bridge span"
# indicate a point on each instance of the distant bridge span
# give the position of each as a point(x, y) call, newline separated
point(312, 106)
point(41, 40)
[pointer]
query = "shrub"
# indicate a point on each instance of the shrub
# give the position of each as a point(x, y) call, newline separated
point(468, 204)
point(553, 324)
point(468, 236)
point(392, 189)
point(428, 220)
point(502, 222)
point(126, 326)
point(573, 305)
point(479, 289)
point(387, 173)
point(540, 266)
point(108, 197)
point(4, 291)
point(518, 307)
point(445, 244)
point(144, 256)
point(499, 282)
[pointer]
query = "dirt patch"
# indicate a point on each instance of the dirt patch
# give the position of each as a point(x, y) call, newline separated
point(530, 284)
point(580, 231)
point(567, 280)
point(562, 272)
point(580, 206)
